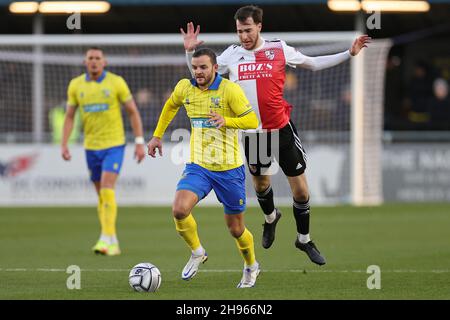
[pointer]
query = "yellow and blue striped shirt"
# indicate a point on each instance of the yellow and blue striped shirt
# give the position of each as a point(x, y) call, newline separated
point(212, 148)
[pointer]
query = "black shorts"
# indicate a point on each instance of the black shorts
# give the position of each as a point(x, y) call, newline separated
point(284, 145)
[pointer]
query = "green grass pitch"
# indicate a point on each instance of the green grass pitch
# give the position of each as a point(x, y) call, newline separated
point(410, 244)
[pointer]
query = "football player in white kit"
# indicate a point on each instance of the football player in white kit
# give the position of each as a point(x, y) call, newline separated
point(258, 66)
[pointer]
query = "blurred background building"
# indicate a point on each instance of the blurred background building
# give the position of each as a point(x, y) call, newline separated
point(420, 54)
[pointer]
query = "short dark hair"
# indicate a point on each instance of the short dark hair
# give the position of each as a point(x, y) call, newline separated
point(246, 12)
point(206, 52)
point(95, 48)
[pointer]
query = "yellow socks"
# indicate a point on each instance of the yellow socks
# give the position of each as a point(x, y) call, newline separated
point(109, 205)
point(246, 247)
point(101, 214)
point(187, 229)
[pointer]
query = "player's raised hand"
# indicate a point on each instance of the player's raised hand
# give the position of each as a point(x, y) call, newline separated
point(216, 119)
point(139, 152)
point(153, 144)
point(359, 43)
point(190, 37)
point(65, 153)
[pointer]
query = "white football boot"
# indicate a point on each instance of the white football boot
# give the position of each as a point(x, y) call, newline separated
point(191, 268)
point(249, 276)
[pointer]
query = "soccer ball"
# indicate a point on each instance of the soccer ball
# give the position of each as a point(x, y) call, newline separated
point(145, 277)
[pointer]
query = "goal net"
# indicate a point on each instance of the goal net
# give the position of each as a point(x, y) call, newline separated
point(337, 111)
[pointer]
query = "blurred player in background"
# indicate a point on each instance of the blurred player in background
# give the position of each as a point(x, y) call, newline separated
point(99, 95)
point(258, 66)
point(217, 108)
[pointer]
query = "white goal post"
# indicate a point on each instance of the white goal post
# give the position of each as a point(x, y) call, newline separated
point(343, 143)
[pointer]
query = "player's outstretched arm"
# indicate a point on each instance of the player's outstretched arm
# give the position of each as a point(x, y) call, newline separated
point(136, 125)
point(294, 57)
point(190, 37)
point(67, 130)
point(359, 43)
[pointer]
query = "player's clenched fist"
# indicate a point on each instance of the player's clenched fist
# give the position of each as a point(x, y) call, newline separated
point(216, 120)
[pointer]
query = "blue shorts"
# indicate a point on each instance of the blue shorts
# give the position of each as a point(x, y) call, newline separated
point(228, 185)
point(104, 160)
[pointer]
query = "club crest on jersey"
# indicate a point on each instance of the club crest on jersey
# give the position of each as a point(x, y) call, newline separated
point(106, 93)
point(215, 102)
point(270, 54)
point(187, 101)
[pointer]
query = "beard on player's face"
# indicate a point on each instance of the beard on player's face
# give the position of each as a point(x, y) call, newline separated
point(249, 40)
point(203, 69)
point(248, 32)
point(203, 77)
point(249, 43)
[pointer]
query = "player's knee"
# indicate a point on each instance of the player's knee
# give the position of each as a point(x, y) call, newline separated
point(261, 185)
point(235, 227)
point(236, 230)
point(107, 186)
point(301, 196)
point(179, 211)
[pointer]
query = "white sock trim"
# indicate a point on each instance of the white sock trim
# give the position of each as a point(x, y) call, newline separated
point(114, 240)
point(254, 266)
point(105, 238)
point(271, 217)
point(303, 238)
point(199, 251)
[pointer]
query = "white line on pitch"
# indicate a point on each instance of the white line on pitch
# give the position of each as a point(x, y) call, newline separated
point(229, 270)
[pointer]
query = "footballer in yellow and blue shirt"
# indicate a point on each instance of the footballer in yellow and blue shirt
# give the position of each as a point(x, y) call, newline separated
point(99, 94)
point(217, 109)
point(213, 150)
